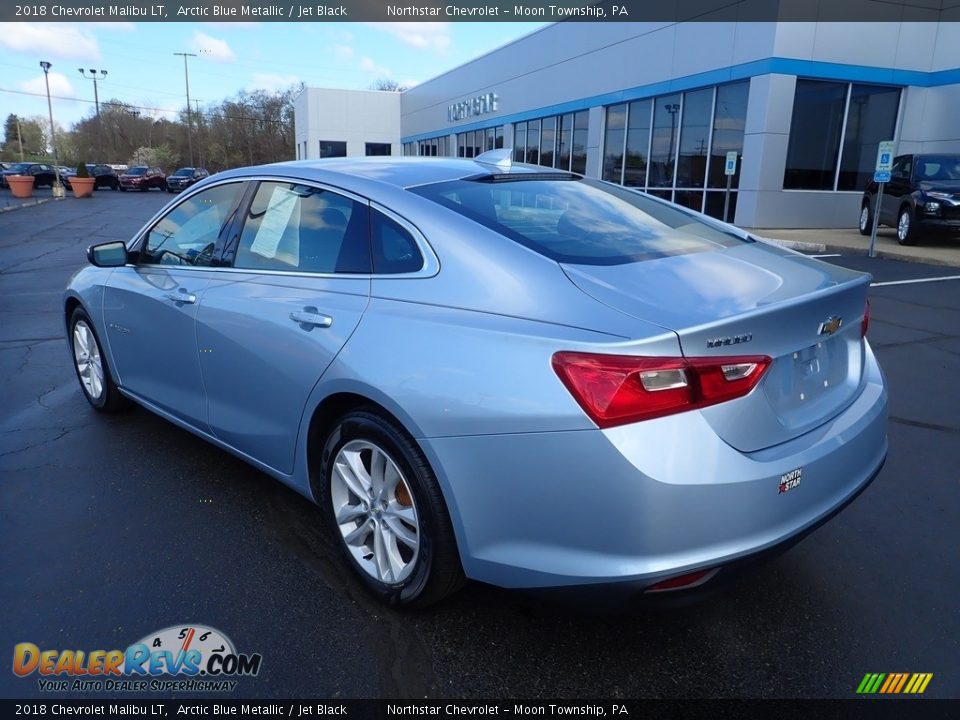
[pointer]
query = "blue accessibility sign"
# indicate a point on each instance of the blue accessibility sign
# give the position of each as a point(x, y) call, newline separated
point(881, 176)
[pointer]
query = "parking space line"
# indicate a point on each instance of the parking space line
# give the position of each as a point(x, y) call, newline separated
point(827, 255)
point(918, 280)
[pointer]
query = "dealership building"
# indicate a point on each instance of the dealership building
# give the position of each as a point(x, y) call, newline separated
point(661, 106)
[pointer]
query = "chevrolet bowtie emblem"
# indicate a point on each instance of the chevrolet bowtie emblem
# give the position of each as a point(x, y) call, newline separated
point(830, 325)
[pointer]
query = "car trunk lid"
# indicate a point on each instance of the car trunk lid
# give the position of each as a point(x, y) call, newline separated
point(752, 299)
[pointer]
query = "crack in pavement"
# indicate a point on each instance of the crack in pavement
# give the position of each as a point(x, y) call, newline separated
point(924, 425)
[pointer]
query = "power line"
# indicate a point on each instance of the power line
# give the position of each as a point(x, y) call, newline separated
point(212, 115)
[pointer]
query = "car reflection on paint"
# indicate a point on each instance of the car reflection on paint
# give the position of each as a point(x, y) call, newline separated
point(494, 371)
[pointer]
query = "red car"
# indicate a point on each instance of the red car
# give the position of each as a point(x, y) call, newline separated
point(143, 178)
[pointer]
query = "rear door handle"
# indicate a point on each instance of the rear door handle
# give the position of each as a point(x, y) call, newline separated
point(311, 317)
point(181, 296)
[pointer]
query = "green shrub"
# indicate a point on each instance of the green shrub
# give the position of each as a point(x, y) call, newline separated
point(82, 170)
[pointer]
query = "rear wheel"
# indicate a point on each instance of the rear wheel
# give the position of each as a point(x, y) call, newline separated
point(906, 233)
point(90, 363)
point(122, 189)
point(386, 511)
point(866, 219)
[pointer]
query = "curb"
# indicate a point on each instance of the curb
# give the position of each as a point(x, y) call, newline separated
point(822, 248)
point(29, 203)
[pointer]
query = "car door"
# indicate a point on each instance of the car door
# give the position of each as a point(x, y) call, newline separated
point(270, 325)
point(896, 189)
point(150, 305)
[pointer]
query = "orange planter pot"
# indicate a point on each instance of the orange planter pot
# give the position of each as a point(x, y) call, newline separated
point(21, 186)
point(82, 187)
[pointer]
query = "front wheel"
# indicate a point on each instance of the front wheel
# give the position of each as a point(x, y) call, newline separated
point(90, 363)
point(906, 233)
point(866, 219)
point(384, 506)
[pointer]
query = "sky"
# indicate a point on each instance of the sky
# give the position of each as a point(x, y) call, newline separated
point(143, 70)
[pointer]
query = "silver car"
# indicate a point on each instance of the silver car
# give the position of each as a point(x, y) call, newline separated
point(491, 371)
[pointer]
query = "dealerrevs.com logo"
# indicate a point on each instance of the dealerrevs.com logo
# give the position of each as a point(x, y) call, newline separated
point(177, 658)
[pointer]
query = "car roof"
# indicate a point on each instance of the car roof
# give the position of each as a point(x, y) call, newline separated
point(401, 172)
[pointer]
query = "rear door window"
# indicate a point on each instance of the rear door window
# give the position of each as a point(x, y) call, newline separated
point(301, 228)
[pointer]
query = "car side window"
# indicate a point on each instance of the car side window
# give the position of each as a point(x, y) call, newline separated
point(297, 227)
point(901, 169)
point(187, 235)
point(394, 249)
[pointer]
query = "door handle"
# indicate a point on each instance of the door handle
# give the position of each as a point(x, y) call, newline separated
point(181, 296)
point(310, 317)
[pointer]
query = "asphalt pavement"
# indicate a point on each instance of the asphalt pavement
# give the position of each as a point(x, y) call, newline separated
point(114, 527)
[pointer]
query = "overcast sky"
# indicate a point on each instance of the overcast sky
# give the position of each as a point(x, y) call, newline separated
point(143, 71)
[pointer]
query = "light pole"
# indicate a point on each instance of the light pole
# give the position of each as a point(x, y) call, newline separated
point(57, 187)
point(186, 77)
point(19, 138)
point(96, 100)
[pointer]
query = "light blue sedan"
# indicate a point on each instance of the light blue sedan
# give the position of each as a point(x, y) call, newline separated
point(493, 371)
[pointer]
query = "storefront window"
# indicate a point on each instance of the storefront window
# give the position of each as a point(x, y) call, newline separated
point(663, 148)
point(729, 120)
point(638, 144)
point(613, 143)
point(694, 139)
point(815, 158)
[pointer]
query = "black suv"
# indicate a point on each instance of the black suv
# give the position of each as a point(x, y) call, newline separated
point(923, 195)
point(43, 174)
point(104, 176)
point(184, 178)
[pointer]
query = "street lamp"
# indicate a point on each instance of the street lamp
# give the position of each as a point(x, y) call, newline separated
point(57, 187)
point(96, 100)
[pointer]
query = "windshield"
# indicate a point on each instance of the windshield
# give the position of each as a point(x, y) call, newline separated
point(938, 167)
point(184, 172)
point(579, 221)
point(136, 171)
point(20, 167)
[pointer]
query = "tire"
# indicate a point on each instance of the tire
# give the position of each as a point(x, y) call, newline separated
point(93, 370)
point(866, 219)
point(122, 189)
point(906, 232)
point(415, 563)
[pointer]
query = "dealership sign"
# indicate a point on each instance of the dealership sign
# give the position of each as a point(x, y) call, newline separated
point(480, 105)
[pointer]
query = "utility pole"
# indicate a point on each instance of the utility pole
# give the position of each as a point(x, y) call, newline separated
point(96, 100)
point(186, 77)
point(199, 134)
point(19, 139)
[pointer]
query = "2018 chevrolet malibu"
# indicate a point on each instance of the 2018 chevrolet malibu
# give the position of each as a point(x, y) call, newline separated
point(493, 371)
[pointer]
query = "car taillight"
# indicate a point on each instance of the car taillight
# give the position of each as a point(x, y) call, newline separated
point(865, 323)
point(619, 389)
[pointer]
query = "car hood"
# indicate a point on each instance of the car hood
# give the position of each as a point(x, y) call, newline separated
point(951, 187)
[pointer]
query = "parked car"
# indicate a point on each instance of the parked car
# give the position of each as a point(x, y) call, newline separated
point(143, 178)
point(104, 177)
point(923, 196)
point(494, 371)
point(43, 174)
point(184, 178)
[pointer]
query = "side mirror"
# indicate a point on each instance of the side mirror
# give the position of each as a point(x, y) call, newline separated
point(111, 254)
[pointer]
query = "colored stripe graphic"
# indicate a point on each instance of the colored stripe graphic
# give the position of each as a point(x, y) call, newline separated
point(894, 683)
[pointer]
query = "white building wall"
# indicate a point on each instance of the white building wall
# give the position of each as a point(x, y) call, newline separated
point(356, 117)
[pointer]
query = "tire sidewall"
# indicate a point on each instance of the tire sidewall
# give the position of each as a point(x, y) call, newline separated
point(362, 425)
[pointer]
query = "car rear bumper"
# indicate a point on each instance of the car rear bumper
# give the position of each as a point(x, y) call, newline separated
point(645, 502)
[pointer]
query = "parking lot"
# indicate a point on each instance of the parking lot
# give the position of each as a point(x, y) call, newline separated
point(115, 527)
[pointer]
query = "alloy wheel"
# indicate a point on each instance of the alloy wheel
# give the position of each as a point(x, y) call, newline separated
point(864, 218)
point(86, 354)
point(375, 511)
point(903, 225)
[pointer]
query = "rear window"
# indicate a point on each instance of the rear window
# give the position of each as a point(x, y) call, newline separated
point(579, 221)
point(136, 171)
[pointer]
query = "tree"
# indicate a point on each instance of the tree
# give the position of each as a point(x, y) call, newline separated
point(31, 143)
point(387, 85)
